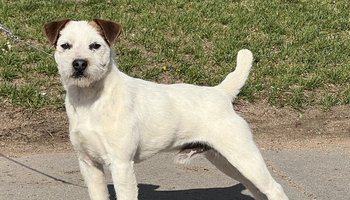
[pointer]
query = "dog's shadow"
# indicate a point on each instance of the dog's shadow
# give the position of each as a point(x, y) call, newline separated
point(149, 192)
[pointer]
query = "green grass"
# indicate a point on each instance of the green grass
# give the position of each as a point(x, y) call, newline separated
point(301, 48)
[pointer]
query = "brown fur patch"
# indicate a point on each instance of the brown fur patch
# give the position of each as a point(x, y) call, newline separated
point(52, 30)
point(96, 26)
point(110, 30)
point(99, 30)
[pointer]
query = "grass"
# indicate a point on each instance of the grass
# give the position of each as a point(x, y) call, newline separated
point(301, 48)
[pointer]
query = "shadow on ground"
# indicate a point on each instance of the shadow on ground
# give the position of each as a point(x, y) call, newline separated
point(150, 192)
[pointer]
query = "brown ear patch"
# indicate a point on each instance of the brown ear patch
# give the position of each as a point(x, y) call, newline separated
point(96, 26)
point(52, 30)
point(109, 30)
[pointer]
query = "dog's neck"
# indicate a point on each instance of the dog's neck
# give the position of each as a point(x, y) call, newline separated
point(86, 96)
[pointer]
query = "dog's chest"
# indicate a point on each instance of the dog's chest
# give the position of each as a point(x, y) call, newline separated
point(89, 145)
point(87, 136)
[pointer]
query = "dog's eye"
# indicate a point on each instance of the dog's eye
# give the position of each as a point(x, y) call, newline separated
point(66, 46)
point(94, 46)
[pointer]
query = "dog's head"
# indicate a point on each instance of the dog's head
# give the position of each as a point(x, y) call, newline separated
point(83, 52)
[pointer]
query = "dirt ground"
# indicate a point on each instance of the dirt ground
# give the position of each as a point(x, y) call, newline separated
point(46, 130)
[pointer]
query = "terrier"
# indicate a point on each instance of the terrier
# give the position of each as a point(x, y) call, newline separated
point(116, 120)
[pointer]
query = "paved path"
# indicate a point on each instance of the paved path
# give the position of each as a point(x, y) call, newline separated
point(305, 175)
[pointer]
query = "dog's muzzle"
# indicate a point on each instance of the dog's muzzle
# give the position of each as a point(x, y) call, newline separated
point(79, 66)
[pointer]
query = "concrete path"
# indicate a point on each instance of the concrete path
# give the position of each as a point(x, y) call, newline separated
point(304, 174)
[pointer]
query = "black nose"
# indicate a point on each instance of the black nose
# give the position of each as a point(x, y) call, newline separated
point(79, 65)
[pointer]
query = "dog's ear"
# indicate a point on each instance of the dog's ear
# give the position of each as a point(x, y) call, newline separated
point(52, 30)
point(110, 30)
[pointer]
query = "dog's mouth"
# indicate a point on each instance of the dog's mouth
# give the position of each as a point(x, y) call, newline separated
point(78, 75)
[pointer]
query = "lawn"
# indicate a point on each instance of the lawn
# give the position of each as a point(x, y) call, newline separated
point(301, 48)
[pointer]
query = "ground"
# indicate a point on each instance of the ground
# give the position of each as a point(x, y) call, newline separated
point(46, 130)
point(307, 152)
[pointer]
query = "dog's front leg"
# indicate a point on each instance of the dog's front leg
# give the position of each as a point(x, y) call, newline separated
point(124, 180)
point(94, 178)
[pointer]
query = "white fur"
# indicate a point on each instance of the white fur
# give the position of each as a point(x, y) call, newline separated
point(115, 119)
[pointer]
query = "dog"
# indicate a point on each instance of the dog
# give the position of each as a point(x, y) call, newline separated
point(116, 120)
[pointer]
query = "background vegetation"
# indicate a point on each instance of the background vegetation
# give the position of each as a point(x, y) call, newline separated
point(301, 48)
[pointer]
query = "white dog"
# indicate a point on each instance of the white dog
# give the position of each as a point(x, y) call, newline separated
point(116, 120)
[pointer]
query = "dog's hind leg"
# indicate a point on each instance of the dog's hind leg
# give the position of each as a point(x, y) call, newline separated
point(224, 166)
point(238, 157)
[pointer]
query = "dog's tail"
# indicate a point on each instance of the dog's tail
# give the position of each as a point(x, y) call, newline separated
point(234, 81)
